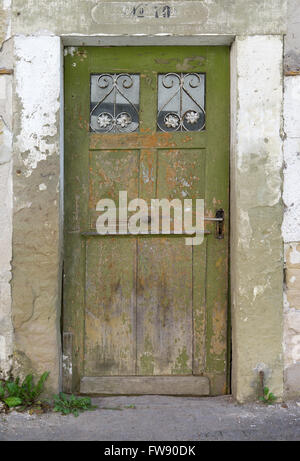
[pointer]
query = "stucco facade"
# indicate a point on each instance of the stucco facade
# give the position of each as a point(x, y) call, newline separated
point(265, 171)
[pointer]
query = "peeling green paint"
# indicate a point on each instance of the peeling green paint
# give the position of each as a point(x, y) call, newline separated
point(181, 365)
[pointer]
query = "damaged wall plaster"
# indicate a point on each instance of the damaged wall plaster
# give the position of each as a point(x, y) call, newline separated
point(291, 234)
point(256, 216)
point(36, 239)
point(191, 17)
point(6, 64)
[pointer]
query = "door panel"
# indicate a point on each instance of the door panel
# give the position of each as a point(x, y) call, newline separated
point(181, 173)
point(146, 313)
point(111, 171)
point(110, 307)
point(164, 307)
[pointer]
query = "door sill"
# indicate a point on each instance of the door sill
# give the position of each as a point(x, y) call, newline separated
point(135, 385)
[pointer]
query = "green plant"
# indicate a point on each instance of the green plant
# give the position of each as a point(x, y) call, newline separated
point(72, 404)
point(268, 397)
point(2, 391)
point(13, 401)
point(24, 394)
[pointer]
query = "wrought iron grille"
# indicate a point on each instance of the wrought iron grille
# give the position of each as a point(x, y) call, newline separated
point(114, 103)
point(181, 102)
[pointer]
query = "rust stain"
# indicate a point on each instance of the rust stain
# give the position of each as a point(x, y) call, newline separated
point(190, 63)
point(184, 65)
point(82, 54)
point(219, 262)
point(218, 338)
point(144, 139)
point(6, 71)
point(291, 73)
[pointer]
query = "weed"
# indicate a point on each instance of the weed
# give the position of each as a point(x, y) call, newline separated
point(22, 395)
point(71, 404)
point(13, 401)
point(2, 390)
point(268, 397)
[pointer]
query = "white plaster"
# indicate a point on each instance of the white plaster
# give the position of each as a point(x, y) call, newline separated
point(42, 186)
point(259, 118)
point(67, 364)
point(5, 222)
point(5, 99)
point(291, 189)
point(2, 348)
point(291, 337)
point(6, 5)
point(37, 76)
point(70, 50)
point(294, 254)
point(258, 290)
point(292, 106)
point(5, 142)
point(6, 328)
point(246, 230)
point(21, 205)
point(2, 88)
point(260, 367)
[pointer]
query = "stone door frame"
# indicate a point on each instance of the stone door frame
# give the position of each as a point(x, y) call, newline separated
point(256, 252)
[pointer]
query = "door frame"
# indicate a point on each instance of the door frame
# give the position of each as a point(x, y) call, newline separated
point(244, 373)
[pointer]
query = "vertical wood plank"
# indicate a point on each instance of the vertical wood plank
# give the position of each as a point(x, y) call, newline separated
point(217, 196)
point(110, 309)
point(164, 307)
point(76, 80)
point(67, 362)
point(199, 307)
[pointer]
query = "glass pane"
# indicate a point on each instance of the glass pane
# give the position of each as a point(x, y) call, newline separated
point(181, 102)
point(114, 103)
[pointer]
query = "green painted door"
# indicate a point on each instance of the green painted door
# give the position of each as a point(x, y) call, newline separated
point(145, 313)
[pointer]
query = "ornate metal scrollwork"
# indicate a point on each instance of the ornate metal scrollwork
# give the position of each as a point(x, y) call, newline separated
point(115, 111)
point(181, 102)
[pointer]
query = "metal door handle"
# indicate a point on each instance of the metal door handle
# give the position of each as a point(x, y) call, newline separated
point(220, 223)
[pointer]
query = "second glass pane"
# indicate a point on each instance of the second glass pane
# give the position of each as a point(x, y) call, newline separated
point(181, 102)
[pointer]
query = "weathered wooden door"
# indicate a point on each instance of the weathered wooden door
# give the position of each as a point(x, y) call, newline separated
point(146, 313)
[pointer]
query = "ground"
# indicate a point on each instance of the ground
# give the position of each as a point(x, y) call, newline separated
point(155, 418)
